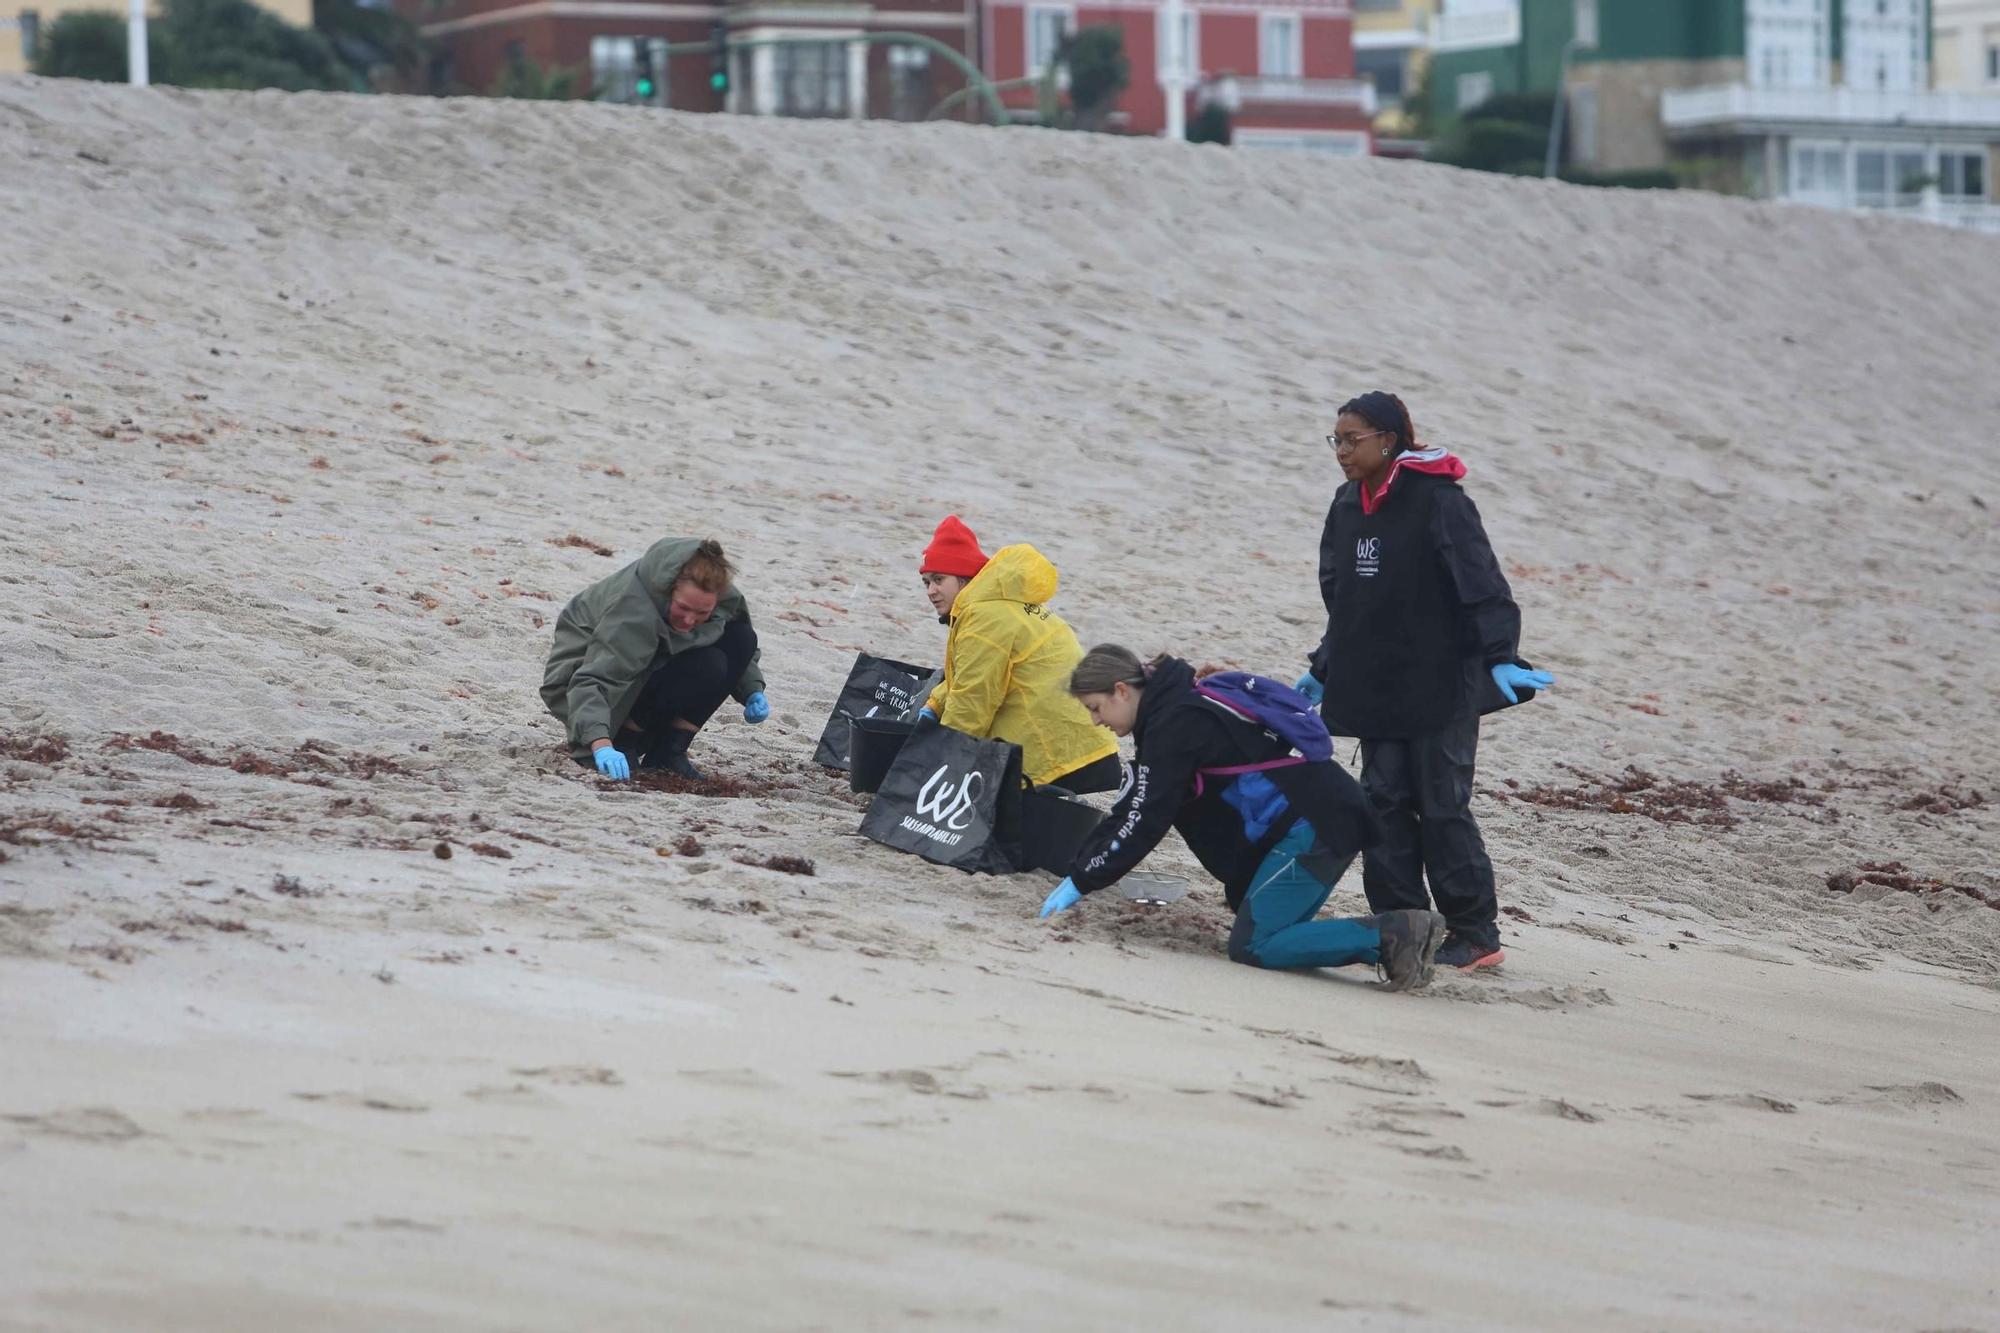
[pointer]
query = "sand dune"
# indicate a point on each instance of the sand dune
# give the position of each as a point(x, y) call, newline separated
point(304, 397)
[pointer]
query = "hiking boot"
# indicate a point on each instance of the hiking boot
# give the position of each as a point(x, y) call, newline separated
point(1409, 941)
point(1469, 955)
point(671, 756)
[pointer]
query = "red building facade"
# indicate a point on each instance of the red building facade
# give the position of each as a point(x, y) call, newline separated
point(801, 58)
point(1284, 69)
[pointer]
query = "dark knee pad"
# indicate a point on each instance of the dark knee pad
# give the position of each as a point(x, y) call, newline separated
point(1239, 942)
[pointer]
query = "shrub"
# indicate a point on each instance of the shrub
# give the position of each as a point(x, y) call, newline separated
point(90, 44)
point(1210, 124)
point(1098, 73)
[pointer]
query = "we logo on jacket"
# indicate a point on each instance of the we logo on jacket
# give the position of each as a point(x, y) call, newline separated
point(946, 802)
point(1368, 557)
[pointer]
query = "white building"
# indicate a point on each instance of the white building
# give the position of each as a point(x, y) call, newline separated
point(1965, 45)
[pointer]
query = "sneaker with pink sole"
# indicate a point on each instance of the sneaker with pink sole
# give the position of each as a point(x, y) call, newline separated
point(1469, 955)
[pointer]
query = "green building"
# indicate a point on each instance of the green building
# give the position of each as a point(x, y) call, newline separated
point(1825, 102)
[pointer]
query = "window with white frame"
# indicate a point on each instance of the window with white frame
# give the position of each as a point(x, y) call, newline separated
point(1871, 177)
point(1190, 45)
point(1910, 174)
point(1819, 173)
point(1962, 175)
point(1279, 53)
point(811, 78)
point(1387, 67)
point(1886, 45)
point(1474, 89)
point(1583, 22)
point(1789, 43)
point(614, 68)
point(909, 82)
point(1047, 26)
point(1887, 175)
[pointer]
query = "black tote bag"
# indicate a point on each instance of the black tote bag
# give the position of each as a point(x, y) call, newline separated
point(953, 799)
point(876, 687)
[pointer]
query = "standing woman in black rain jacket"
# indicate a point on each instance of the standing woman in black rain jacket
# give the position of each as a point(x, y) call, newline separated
point(1421, 628)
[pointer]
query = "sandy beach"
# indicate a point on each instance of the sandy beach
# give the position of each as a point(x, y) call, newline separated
point(334, 996)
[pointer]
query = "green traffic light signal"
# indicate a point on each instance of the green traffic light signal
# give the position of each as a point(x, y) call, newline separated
point(645, 88)
point(719, 81)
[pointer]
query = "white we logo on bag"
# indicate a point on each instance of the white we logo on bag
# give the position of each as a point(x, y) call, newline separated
point(949, 803)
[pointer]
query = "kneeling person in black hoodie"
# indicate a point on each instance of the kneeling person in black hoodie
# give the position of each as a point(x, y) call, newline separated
point(1421, 628)
point(1278, 838)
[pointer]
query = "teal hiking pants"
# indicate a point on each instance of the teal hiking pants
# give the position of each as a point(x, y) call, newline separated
point(1275, 926)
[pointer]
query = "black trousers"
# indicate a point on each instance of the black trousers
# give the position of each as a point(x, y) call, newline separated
point(688, 686)
point(1106, 774)
point(1422, 790)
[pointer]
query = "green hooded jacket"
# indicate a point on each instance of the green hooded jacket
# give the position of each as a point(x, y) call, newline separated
point(613, 633)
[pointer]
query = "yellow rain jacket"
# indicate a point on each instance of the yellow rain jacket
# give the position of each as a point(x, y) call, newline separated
point(1006, 669)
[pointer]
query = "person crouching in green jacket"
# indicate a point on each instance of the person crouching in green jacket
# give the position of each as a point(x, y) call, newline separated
point(642, 659)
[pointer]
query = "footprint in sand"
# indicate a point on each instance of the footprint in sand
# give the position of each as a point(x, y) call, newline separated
point(1911, 1096)
point(93, 1124)
point(512, 1094)
point(923, 1082)
point(1755, 955)
point(1443, 1152)
point(1596, 931)
point(1753, 1101)
point(745, 1078)
point(576, 1075)
point(1534, 997)
point(370, 1099)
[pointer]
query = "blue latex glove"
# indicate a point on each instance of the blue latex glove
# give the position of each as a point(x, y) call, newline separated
point(1310, 688)
point(1509, 677)
point(756, 708)
point(926, 715)
point(611, 763)
point(1065, 897)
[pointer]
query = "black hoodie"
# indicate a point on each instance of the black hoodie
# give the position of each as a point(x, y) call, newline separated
point(1417, 609)
point(1179, 732)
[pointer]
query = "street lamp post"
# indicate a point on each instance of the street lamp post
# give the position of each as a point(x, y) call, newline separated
point(135, 44)
point(1175, 77)
point(1585, 40)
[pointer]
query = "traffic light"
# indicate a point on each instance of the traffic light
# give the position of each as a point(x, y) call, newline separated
point(643, 86)
point(718, 59)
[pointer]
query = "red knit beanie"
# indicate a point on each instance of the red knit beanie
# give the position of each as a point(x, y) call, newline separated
point(953, 550)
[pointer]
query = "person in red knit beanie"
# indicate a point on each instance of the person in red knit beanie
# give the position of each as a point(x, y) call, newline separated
point(1007, 661)
point(950, 562)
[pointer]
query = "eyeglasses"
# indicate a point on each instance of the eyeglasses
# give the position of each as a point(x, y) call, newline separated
point(1349, 443)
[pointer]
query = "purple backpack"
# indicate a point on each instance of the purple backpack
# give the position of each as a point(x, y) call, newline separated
point(1278, 709)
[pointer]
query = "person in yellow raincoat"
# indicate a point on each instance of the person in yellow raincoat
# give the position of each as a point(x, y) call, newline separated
point(1008, 658)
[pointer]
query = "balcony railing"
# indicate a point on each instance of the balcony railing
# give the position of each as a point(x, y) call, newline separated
point(1703, 108)
point(1971, 216)
point(1234, 90)
point(1489, 27)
